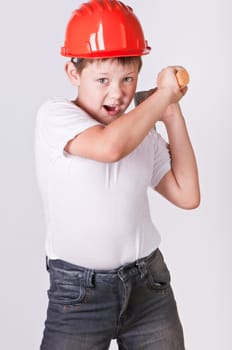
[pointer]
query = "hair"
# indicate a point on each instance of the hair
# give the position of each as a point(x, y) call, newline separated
point(81, 63)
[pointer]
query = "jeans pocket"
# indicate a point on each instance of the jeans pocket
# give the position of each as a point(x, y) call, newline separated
point(66, 287)
point(158, 274)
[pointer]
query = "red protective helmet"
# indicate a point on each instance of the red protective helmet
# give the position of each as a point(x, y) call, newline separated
point(102, 29)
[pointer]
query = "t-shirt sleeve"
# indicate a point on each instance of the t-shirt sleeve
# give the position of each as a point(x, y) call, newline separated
point(59, 121)
point(161, 159)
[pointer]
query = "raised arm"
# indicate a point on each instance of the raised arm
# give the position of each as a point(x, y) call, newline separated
point(123, 135)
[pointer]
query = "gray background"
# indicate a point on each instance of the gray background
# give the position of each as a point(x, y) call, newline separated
point(197, 244)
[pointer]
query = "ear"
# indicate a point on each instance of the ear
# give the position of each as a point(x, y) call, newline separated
point(72, 73)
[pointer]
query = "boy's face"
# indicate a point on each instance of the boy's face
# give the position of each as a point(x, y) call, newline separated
point(106, 88)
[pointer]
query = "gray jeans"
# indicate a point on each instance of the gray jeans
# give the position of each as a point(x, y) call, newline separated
point(133, 304)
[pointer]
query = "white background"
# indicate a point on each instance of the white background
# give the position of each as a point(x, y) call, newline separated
point(197, 244)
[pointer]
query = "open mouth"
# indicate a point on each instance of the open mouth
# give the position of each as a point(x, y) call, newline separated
point(112, 109)
point(109, 108)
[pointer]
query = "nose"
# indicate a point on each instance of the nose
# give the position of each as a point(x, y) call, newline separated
point(115, 91)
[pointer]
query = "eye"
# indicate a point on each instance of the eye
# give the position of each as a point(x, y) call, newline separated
point(128, 79)
point(102, 80)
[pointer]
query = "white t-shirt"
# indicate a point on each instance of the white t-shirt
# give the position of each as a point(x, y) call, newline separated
point(97, 214)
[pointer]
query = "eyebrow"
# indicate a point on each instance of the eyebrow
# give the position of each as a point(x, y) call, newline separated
point(105, 73)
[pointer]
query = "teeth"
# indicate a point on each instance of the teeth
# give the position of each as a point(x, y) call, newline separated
point(113, 105)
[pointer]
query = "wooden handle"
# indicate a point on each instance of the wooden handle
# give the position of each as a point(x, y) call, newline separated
point(182, 77)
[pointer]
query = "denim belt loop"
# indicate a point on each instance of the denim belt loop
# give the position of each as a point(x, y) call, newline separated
point(142, 268)
point(89, 278)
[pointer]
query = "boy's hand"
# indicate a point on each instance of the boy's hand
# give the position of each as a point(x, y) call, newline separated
point(167, 80)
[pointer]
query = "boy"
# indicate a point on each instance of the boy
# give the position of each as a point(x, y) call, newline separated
point(108, 278)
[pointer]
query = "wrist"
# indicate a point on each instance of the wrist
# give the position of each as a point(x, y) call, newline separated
point(165, 94)
point(173, 118)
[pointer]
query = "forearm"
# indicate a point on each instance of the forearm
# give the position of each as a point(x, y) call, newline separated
point(120, 137)
point(184, 166)
point(128, 131)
